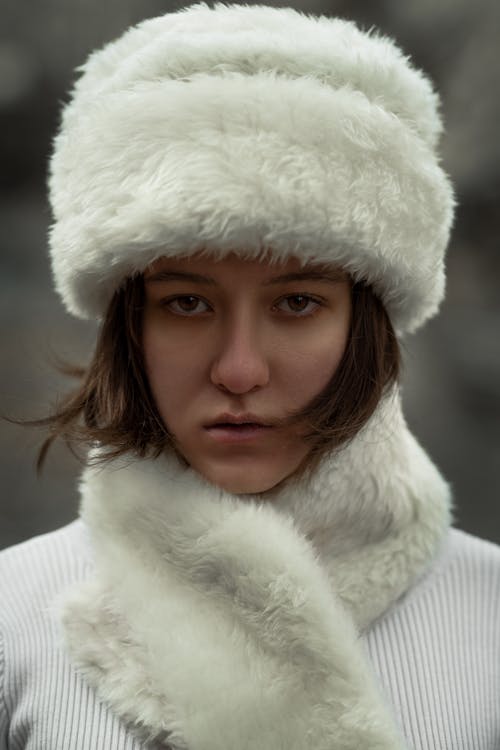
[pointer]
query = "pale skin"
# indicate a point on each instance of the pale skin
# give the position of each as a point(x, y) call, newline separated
point(230, 338)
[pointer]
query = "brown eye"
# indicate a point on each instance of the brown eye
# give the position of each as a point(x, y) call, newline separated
point(299, 305)
point(186, 304)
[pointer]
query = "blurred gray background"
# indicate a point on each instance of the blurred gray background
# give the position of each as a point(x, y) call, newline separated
point(452, 368)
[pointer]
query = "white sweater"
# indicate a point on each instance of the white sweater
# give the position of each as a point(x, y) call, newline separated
point(436, 652)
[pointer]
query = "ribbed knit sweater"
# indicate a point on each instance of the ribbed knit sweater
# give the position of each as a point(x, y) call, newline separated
point(436, 652)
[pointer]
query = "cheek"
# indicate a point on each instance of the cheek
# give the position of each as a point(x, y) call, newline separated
point(310, 376)
point(171, 370)
point(311, 363)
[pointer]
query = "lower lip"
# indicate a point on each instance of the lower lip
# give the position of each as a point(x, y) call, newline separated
point(243, 434)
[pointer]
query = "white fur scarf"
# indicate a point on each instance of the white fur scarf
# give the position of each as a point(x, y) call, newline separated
point(220, 622)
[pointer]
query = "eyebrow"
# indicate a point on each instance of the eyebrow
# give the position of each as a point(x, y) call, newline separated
point(333, 276)
point(180, 276)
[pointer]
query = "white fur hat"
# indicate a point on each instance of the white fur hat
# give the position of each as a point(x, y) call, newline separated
point(251, 129)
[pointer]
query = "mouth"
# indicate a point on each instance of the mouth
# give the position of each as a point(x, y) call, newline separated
point(234, 421)
point(235, 425)
point(231, 428)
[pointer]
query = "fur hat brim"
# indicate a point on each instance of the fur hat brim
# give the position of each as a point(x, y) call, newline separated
point(253, 164)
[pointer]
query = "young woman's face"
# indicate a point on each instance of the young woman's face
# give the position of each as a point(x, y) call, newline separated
point(241, 340)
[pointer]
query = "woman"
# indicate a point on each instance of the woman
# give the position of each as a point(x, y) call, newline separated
point(251, 201)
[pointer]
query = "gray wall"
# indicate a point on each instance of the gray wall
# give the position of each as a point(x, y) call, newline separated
point(452, 368)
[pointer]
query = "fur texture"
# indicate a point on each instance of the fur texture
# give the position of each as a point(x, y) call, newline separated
point(257, 130)
point(217, 622)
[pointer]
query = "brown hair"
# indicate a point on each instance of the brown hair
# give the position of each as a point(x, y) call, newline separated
point(113, 404)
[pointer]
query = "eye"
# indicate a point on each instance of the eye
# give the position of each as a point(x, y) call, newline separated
point(299, 304)
point(186, 304)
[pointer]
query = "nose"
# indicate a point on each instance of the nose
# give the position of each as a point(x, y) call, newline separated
point(240, 364)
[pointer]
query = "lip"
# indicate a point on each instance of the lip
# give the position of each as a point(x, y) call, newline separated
point(246, 428)
point(247, 417)
point(238, 433)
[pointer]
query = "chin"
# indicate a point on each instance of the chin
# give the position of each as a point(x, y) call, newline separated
point(242, 482)
point(237, 487)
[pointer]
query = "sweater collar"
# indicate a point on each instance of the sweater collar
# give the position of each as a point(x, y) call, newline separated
point(215, 620)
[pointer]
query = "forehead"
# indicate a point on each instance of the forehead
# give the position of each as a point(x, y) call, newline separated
point(233, 265)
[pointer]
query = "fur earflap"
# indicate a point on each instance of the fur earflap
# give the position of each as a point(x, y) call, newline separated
point(256, 130)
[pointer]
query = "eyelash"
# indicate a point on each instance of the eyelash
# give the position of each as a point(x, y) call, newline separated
point(300, 314)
